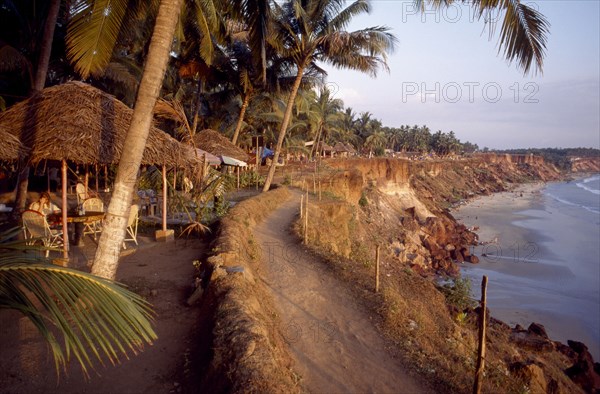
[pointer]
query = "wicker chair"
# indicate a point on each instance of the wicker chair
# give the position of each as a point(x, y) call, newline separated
point(132, 225)
point(36, 228)
point(93, 204)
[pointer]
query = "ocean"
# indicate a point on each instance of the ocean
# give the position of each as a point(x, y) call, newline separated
point(543, 261)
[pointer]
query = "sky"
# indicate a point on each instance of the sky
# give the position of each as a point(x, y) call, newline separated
point(445, 73)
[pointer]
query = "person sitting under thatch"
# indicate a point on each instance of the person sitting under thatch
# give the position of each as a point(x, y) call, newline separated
point(44, 205)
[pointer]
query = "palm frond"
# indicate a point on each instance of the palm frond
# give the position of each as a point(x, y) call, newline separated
point(524, 31)
point(120, 74)
point(92, 34)
point(523, 35)
point(341, 20)
point(79, 315)
point(11, 59)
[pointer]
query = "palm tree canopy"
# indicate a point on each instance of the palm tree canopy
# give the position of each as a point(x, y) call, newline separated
point(311, 31)
point(524, 30)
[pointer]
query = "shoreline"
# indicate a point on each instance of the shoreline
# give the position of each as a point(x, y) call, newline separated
point(530, 278)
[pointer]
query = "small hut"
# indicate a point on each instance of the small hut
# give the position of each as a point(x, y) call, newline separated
point(80, 123)
point(214, 142)
point(340, 150)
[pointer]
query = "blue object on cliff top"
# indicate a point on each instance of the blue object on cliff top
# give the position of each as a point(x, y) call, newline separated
point(266, 152)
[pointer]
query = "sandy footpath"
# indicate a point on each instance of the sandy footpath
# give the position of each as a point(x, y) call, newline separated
point(333, 340)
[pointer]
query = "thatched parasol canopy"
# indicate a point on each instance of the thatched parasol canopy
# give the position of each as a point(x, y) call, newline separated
point(10, 147)
point(81, 123)
point(340, 148)
point(214, 142)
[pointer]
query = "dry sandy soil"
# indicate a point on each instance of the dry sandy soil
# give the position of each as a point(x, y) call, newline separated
point(163, 273)
point(333, 339)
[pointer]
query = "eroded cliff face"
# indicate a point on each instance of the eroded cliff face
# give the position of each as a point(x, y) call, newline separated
point(585, 164)
point(403, 205)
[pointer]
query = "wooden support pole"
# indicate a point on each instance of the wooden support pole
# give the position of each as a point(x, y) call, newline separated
point(105, 177)
point(86, 182)
point(257, 162)
point(306, 218)
point(301, 207)
point(175, 181)
point(97, 175)
point(377, 269)
point(314, 184)
point(65, 209)
point(164, 201)
point(482, 329)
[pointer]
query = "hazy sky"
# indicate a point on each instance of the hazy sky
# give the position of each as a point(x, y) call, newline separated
point(447, 57)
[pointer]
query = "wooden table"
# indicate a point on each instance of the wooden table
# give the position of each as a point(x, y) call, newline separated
point(79, 221)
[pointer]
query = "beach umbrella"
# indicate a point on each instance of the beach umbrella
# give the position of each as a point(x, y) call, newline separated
point(10, 148)
point(80, 123)
point(215, 143)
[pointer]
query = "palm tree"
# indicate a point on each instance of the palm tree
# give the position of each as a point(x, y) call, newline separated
point(109, 245)
point(311, 31)
point(524, 29)
point(327, 113)
point(376, 141)
point(78, 314)
point(37, 82)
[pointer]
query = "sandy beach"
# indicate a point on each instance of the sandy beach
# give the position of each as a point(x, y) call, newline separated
point(539, 265)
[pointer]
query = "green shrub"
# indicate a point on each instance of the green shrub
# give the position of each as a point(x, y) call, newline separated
point(363, 202)
point(458, 293)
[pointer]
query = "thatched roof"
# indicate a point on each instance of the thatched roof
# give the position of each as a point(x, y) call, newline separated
point(81, 123)
point(10, 147)
point(350, 148)
point(214, 142)
point(340, 148)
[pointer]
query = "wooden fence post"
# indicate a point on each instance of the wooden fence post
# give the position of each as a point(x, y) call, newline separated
point(482, 329)
point(320, 194)
point(301, 204)
point(377, 269)
point(306, 219)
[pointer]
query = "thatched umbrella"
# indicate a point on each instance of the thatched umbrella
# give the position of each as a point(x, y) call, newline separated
point(10, 148)
point(83, 124)
point(214, 142)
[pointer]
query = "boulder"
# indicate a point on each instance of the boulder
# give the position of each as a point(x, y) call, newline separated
point(531, 374)
point(530, 341)
point(537, 329)
point(583, 372)
point(473, 259)
point(458, 256)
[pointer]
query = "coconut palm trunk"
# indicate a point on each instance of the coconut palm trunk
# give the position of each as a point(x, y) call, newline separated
point(38, 84)
point(109, 246)
point(240, 121)
point(283, 129)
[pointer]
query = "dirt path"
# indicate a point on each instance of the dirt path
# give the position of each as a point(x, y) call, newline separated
point(333, 340)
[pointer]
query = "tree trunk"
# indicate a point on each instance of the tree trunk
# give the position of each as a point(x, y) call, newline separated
point(238, 126)
point(315, 149)
point(282, 131)
point(38, 84)
point(109, 246)
point(198, 104)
